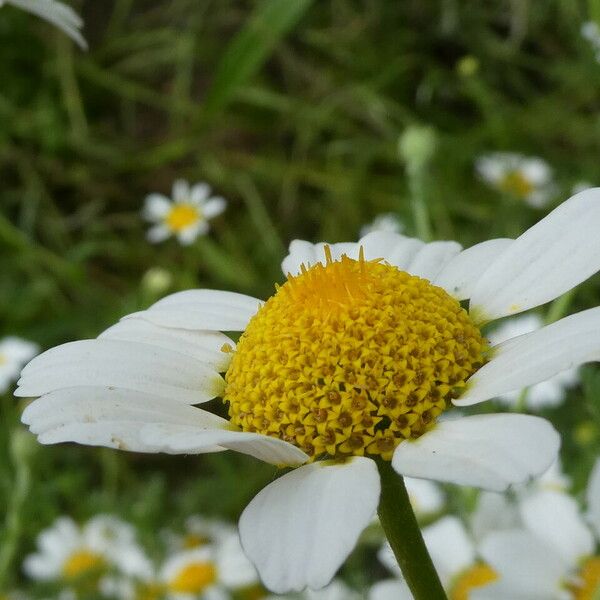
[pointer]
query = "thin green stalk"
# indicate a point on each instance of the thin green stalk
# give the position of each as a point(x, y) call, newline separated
point(404, 535)
point(416, 179)
point(559, 307)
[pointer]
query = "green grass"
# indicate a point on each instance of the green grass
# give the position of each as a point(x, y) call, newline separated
point(292, 111)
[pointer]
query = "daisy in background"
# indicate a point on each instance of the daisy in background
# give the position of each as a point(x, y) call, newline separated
point(454, 554)
point(552, 555)
point(69, 553)
point(185, 215)
point(590, 31)
point(383, 222)
point(526, 178)
point(546, 394)
point(14, 353)
point(343, 374)
point(57, 13)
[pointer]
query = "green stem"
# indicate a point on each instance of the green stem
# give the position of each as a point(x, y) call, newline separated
point(416, 180)
point(404, 535)
point(559, 307)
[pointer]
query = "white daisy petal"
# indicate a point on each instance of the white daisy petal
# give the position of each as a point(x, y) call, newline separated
point(395, 249)
point(130, 365)
point(390, 589)
point(485, 451)
point(210, 310)
point(204, 346)
point(593, 498)
point(300, 528)
point(527, 566)
point(555, 518)
point(181, 191)
point(213, 207)
point(555, 255)
point(461, 273)
point(188, 235)
point(158, 233)
point(432, 258)
point(182, 439)
point(199, 193)
point(536, 357)
point(156, 207)
point(88, 404)
point(307, 254)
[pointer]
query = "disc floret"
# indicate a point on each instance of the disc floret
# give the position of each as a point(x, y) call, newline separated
point(351, 358)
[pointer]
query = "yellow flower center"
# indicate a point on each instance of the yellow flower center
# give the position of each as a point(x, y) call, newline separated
point(82, 562)
point(351, 357)
point(194, 578)
point(194, 540)
point(515, 183)
point(149, 591)
point(3, 359)
point(589, 580)
point(473, 578)
point(182, 216)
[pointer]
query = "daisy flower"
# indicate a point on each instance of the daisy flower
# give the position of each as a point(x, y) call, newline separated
point(546, 394)
point(526, 178)
point(455, 556)
point(591, 32)
point(383, 222)
point(345, 371)
point(14, 353)
point(185, 216)
point(68, 552)
point(57, 13)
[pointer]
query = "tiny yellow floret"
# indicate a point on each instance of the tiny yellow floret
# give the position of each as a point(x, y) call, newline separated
point(351, 357)
point(477, 576)
point(82, 562)
point(517, 184)
point(194, 578)
point(182, 216)
point(588, 584)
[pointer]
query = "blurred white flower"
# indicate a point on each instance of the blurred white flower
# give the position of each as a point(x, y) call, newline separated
point(591, 32)
point(157, 280)
point(527, 178)
point(580, 186)
point(383, 222)
point(67, 552)
point(426, 497)
point(185, 216)
point(14, 353)
point(548, 393)
point(454, 555)
point(57, 13)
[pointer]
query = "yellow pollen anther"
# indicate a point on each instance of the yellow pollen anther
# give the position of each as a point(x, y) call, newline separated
point(517, 184)
point(588, 585)
point(475, 577)
point(194, 578)
point(227, 348)
point(351, 357)
point(182, 216)
point(81, 562)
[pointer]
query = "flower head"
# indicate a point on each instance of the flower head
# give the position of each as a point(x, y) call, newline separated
point(352, 359)
point(526, 178)
point(185, 216)
point(14, 353)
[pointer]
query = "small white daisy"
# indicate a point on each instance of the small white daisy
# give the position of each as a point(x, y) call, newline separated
point(383, 222)
point(68, 552)
point(527, 178)
point(185, 216)
point(590, 31)
point(454, 555)
point(57, 13)
point(14, 353)
point(346, 367)
point(546, 394)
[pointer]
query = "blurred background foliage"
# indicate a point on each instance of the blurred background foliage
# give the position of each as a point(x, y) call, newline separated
point(292, 111)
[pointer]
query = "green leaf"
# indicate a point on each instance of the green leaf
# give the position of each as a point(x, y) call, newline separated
point(251, 47)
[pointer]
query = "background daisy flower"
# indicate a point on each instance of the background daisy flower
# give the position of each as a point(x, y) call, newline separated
point(14, 353)
point(343, 371)
point(526, 178)
point(185, 215)
point(383, 222)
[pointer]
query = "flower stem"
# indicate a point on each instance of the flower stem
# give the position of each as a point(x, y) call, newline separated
point(404, 535)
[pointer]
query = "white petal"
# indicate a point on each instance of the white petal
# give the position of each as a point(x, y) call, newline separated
point(114, 363)
point(182, 439)
point(204, 346)
point(432, 258)
point(485, 451)
point(593, 498)
point(536, 357)
point(554, 517)
point(526, 565)
point(395, 249)
point(307, 254)
point(158, 233)
point(181, 191)
point(300, 528)
point(188, 235)
point(450, 548)
point(502, 590)
point(425, 496)
point(210, 310)
point(494, 512)
point(460, 275)
point(213, 207)
point(555, 255)
point(95, 404)
point(156, 207)
point(199, 193)
point(390, 589)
